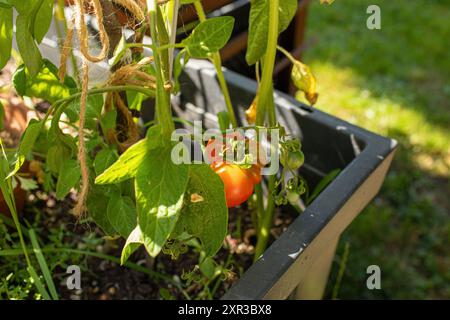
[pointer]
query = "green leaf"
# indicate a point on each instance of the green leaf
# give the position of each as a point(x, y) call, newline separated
point(204, 213)
point(224, 120)
point(57, 155)
point(287, 11)
point(257, 31)
point(119, 52)
point(208, 267)
point(104, 159)
point(26, 144)
point(133, 242)
point(122, 215)
point(323, 184)
point(180, 61)
point(183, 2)
point(69, 142)
point(69, 177)
point(45, 85)
point(97, 204)
point(20, 80)
point(28, 48)
point(61, 147)
point(127, 165)
point(2, 115)
point(27, 184)
point(37, 282)
point(94, 106)
point(135, 100)
point(108, 121)
point(160, 185)
point(24, 7)
point(209, 37)
point(43, 265)
point(6, 4)
point(6, 33)
point(259, 24)
point(165, 294)
point(43, 19)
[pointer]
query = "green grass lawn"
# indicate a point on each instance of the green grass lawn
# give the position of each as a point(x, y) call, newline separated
point(396, 82)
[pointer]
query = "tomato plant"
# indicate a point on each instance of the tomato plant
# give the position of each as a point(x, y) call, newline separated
point(89, 139)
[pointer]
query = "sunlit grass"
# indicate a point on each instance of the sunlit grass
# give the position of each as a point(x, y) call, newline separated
point(396, 82)
point(342, 94)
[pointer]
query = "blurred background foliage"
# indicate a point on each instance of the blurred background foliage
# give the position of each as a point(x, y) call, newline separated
point(396, 82)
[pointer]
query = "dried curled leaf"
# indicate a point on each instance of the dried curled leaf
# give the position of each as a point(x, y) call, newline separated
point(250, 113)
point(305, 81)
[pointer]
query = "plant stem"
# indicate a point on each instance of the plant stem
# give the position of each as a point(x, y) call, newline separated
point(163, 40)
point(169, 46)
point(12, 209)
point(266, 105)
point(266, 223)
point(223, 85)
point(265, 88)
point(172, 8)
point(217, 61)
point(287, 54)
point(147, 92)
point(259, 203)
point(163, 110)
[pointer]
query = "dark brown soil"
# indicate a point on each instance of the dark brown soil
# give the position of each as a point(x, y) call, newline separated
point(107, 280)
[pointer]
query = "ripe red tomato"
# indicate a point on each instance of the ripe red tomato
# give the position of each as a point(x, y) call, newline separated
point(255, 173)
point(238, 183)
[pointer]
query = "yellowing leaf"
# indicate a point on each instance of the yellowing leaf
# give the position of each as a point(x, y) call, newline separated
point(250, 113)
point(326, 1)
point(305, 81)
